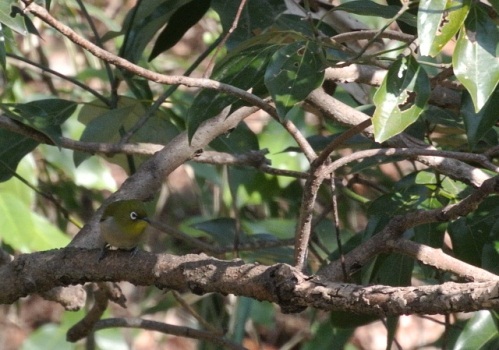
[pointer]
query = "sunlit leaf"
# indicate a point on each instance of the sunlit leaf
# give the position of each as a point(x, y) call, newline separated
point(371, 8)
point(400, 99)
point(480, 331)
point(438, 22)
point(25, 230)
point(475, 59)
point(15, 23)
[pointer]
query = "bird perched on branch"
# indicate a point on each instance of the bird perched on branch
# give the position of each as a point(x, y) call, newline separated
point(123, 224)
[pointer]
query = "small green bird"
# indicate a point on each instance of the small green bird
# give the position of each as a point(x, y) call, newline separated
point(122, 225)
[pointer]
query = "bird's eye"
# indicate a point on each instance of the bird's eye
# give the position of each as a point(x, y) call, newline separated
point(133, 215)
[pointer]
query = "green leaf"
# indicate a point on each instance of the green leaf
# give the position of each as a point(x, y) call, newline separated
point(345, 319)
point(469, 235)
point(13, 148)
point(25, 230)
point(475, 59)
point(142, 24)
point(15, 23)
point(239, 140)
point(495, 5)
point(480, 332)
point(438, 22)
point(27, 170)
point(293, 72)
point(181, 20)
point(392, 270)
point(371, 8)
point(45, 116)
point(256, 16)
point(243, 68)
point(479, 123)
point(223, 230)
point(240, 317)
point(104, 124)
point(325, 337)
point(400, 99)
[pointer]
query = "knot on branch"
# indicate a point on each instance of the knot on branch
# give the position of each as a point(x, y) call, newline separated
point(285, 279)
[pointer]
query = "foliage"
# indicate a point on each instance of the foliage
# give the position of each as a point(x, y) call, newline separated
point(282, 53)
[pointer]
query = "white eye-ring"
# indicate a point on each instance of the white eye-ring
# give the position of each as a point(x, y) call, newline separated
point(133, 215)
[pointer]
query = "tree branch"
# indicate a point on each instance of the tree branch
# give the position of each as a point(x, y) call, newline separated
point(387, 239)
point(200, 274)
point(348, 116)
point(43, 14)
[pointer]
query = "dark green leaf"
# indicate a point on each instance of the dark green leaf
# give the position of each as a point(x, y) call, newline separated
point(243, 68)
point(479, 123)
point(400, 99)
point(325, 337)
point(475, 59)
point(392, 270)
point(223, 230)
point(45, 116)
point(257, 15)
point(180, 21)
point(438, 22)
point(13, 147)
point(142, 24)
point(293, 72)
point(490, 257)
point(239, 140)
point(344, 319)
point(470, 234)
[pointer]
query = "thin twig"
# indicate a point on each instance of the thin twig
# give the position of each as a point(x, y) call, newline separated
point(97, 37)
point(60, 75)
point(42, 13)
point(162, 98)
point(336, 224)
point(186, 332)
point(195, 314)
point(226, 36)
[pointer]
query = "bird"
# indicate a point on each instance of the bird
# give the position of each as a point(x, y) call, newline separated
point(122, 225)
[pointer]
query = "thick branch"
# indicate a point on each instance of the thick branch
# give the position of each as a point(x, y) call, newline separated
point(282, 284)
point(149, 177)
